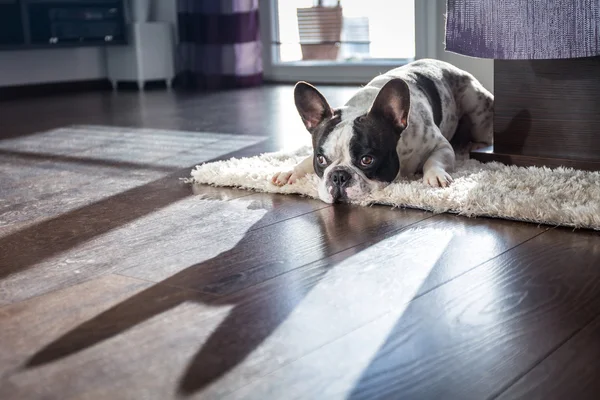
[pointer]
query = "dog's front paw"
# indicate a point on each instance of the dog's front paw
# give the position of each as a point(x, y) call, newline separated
point(285, 178)
point(437, 177)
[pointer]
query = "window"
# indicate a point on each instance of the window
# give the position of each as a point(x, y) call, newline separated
point(346, 41)
point(350, 31)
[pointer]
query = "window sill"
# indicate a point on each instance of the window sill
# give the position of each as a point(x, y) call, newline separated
point(363, 63)
point(334, 72)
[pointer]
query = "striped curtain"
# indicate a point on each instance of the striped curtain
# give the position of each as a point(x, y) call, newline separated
point(219, 44)
point(523, 29)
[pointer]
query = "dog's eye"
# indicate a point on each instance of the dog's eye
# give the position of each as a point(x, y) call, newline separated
point(366, 161)
point(321, 160)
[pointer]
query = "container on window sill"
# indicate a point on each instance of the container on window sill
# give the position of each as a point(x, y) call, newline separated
point(320, 31)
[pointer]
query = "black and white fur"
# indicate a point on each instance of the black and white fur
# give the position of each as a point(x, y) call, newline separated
point(399, 124)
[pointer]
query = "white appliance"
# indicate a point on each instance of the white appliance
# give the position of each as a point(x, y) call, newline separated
point(149, 56)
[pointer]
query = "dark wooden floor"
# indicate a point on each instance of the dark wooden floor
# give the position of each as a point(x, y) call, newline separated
point(118, 281)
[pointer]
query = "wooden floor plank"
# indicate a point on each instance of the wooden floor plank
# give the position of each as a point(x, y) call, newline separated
point(464, 340)
point(29, 198)
point(30, 324)
point(158, 227)
point(100, 372)
point(571, 372)
point(60, 171)
point(48, 240)
point(262, 254)
point(263, 111)
point(270, 324)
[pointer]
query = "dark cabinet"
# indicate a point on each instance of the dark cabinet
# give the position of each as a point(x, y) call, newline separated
point(59, 23)
point(11, 25)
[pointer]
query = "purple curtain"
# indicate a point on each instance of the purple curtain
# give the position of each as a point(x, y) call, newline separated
point(523, 29)
point(219, 44)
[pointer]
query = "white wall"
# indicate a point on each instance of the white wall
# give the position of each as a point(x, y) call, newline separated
point(482, 69)
point(53, 65)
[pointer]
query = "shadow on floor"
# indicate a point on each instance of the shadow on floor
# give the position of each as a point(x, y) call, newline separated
point(226, 347)
point(29, 246)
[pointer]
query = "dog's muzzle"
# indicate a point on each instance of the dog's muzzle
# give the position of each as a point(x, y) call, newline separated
point(339, 179)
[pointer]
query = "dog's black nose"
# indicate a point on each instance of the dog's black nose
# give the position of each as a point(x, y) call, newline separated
point(340, 178)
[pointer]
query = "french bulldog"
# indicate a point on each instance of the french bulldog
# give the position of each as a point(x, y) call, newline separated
point(399, 125)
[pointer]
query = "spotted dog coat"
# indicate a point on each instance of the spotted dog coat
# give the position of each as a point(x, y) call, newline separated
point(399, 124)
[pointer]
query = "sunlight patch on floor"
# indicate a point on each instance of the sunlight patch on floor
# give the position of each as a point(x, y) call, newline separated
point(158, 147)
point(159, 244)
point(353, 292)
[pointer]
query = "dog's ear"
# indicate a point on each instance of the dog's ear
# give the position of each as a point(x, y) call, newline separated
point(311, 105)
point(393, 103)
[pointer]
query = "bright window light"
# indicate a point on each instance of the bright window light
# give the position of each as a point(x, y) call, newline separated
point(363, 31)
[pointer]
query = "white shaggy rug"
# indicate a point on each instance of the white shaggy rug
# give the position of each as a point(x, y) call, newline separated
point(561, 196)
